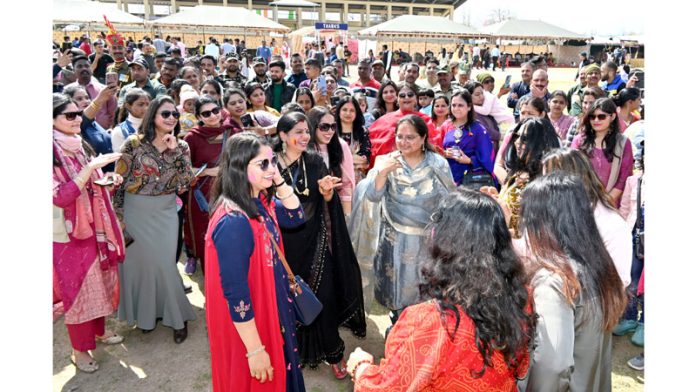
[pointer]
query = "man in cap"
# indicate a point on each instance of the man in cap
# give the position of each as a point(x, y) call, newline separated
point(140, 73)
point(232, 73)
point(298, 74)
point(365, 83)
point(279, 92)
point(118, 52)
point(446, 85)
point(83, 71)
point(378, 72)
point(259, 65)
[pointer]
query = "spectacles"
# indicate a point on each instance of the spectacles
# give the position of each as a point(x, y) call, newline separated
point(600, 117)
point(409, 94)
point(207, 113)
point(488, 81)
point(264, 164)
point(166, 113)
point(71, 116)
point(324, 127)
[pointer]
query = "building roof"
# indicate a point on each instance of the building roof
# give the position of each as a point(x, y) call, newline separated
point(83, 11)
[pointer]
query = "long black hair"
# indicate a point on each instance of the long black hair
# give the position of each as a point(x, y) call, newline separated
point(334, 147)
point(560, 226)
point(471, 114)
point(286, 123)
point(249, 89)
point(216, 87)
point(232, 183)
point(485, 277)
point(147, 128)
point(625, 95)
point(609, 142)
point(132, 95)
point(380, 105)
point(204, 100)
point(359, 121)
point(539, 138)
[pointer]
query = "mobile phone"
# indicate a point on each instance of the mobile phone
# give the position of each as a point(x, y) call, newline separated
point(104, 181)
point(507, 81)
point(334, 100)
point(200, 170)
point(321, 84)
point(640, 84)
point(247, 121)
point(111, 78)
point(65, 46)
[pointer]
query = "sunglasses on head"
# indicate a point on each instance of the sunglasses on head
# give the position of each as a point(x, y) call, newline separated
point(600, 117)
point(207, 113)
point(166, 113)
point(70, 116)
point(324, 127)
point(409, 94)
point(266, 163)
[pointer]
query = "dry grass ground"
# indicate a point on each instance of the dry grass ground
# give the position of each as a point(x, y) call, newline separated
point(153, 362)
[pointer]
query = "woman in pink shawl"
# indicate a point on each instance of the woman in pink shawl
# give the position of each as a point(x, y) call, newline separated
point(87, 240)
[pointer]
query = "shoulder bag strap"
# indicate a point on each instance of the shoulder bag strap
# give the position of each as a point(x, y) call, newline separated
point(291, 277)
point(616, 162)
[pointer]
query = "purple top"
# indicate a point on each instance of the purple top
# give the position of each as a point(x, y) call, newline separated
point(602, 166)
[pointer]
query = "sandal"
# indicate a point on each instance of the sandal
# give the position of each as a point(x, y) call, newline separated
point(113, 339)
point(87, 367)
point(339, 369)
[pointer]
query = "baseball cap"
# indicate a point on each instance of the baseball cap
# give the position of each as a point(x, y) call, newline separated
point(378, 62)
point(259, 60)
point(443, 69)
point(139, 61)
point(233, 56)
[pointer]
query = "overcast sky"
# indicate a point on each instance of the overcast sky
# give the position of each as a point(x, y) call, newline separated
point(595, 17)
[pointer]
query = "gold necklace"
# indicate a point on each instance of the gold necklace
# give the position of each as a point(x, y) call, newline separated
point(305, 192)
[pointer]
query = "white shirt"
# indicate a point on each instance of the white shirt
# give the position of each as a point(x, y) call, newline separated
point(495, 52)
point(492, 106)
point(212, 50)
point(477, 51)
point(227, 48)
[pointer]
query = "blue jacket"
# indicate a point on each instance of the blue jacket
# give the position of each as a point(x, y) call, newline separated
point(521, 89)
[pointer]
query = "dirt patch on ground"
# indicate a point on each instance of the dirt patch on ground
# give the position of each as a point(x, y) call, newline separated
point(153, 362)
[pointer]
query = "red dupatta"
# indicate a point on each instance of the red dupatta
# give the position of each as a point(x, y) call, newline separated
point(229, 365)
point(383, 132)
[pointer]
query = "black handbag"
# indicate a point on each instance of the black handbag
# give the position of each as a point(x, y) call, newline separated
point(306, 304)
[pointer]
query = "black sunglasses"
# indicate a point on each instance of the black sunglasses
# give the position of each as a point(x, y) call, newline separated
point(207, 113)
point(264, 164)
point(409, 94)
point(600, 117)
point(70, 116)
point(167, 113)
point(324, 127)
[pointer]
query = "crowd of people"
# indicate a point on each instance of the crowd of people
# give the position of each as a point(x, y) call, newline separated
point(504, 236)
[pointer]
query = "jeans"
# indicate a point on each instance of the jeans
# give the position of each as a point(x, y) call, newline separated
point(635, 300)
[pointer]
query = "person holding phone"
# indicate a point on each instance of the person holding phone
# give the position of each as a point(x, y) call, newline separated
point(251, 323)
point(87, 240)
point(206, 142)
point(156, 166)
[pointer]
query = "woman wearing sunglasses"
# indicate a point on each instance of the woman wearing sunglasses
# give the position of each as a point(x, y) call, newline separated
point(97, 137)
point(155, 166)
point(87, 241)
point(335, 151)
point(205, 142)
point(607, 149)
point(319, 250)
point(251, 323)
point(382, 131)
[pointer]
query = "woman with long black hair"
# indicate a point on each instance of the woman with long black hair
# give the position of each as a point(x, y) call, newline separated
point(251, 324)
point(470, 332)
point(351, 128)
point(610, 153)
point(386, 100)
point(319, 250)
point(577, 292)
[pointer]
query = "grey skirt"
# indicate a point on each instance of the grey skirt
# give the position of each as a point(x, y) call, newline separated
point(151, 286)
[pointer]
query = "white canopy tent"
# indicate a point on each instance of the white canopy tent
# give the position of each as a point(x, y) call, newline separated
point(90, 12)
point(538, 30)
point(419, 26)
point(208, 16)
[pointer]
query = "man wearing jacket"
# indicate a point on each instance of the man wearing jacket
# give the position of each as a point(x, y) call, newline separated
point(279, 92)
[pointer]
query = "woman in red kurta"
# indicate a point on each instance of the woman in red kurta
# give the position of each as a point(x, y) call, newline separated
point(87, 241)
point(205, 143)
point(383, 131)
point(473, 334)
